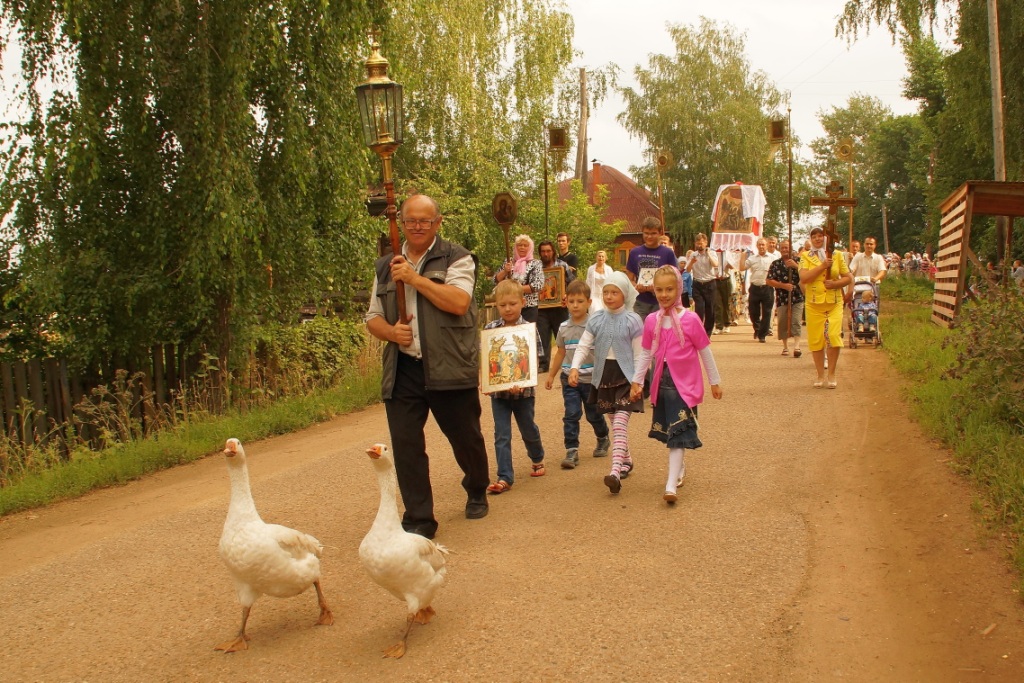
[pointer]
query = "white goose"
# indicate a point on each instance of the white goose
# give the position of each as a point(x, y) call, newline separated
point(264, 558)
point(409, 566)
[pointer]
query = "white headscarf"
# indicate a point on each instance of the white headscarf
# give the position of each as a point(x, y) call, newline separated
point(619, 279)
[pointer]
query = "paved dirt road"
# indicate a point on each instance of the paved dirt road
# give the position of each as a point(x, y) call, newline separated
point(818, 537)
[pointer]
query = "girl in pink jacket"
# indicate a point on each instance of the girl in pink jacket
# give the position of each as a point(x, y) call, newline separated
point(673, 340)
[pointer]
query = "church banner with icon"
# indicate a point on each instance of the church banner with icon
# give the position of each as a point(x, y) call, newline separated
point(736, 217)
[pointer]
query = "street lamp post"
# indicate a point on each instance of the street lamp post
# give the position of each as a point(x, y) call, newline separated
point(380, 110)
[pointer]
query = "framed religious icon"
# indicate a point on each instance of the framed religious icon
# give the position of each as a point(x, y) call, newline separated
point(508, 357)
point(504, 208)
point(729, 212)
point(554, 288)
point(645, 277)
point(557, 139)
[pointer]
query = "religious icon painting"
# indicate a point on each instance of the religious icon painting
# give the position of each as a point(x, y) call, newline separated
point(504, 208)
point(729, 212)
point(508, 357)
point(645, 277)
point(554, 288)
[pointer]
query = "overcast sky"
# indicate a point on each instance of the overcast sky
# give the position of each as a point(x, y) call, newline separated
point(793, 41)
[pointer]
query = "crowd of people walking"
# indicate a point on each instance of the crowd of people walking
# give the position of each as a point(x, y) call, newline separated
point(615, 342)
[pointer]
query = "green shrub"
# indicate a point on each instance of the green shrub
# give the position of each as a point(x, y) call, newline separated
point(59, 479)
point(989, 339)
point(314, 354)
point(286, 369)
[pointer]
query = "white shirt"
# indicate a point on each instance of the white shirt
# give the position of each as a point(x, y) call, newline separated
point(864, 266)
point(461, 274)
point(758, 267)
point(705, 266)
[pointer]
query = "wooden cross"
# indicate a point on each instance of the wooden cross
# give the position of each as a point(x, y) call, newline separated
point(833, 201)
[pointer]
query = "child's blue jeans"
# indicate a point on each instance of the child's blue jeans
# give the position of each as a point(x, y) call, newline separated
point(865, 317)
point(575, 400)
point(503, 409)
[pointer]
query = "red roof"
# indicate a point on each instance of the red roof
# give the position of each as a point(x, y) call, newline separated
point(627, 201)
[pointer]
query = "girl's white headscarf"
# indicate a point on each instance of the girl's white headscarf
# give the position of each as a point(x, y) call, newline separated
point(519, 265)
point(671, 312)
point(619, 279)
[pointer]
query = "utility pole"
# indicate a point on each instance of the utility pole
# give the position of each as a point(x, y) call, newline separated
point(885, 227)
point(581, 140)
point(998, 140)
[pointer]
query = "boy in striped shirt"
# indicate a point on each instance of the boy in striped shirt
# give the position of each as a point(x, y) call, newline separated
point(577, 300)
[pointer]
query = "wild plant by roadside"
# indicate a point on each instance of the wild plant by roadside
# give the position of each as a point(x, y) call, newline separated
point(989, 339)
point(316, 361)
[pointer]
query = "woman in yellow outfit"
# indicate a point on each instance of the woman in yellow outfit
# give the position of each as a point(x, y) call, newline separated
point(824, 279)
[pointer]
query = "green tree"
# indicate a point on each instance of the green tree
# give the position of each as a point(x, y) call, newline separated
point(899, 17)
point(198, 172)
point(856, 122)
point(896, 177)
point(577, 217)
point(710, 109)
point(482, 83)
point(201, 171)
point(890, 169)
point(954, 90)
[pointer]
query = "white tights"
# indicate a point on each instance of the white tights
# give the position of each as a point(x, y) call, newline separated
point(676, 469)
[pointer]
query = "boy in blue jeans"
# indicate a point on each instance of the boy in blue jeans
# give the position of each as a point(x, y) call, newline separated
point(577, 300)
point(518, 401)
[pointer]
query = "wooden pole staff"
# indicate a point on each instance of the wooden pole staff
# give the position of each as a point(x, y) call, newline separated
point(396, 247)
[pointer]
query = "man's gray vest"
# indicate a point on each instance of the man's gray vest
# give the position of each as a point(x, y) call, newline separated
point(448, 343)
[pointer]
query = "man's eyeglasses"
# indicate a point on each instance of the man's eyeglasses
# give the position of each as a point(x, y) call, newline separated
point(419, 222)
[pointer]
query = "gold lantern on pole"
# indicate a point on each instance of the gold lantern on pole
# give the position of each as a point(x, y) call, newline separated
point(380, 111)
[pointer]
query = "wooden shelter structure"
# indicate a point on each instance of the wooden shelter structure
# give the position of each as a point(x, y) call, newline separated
point(973, 198)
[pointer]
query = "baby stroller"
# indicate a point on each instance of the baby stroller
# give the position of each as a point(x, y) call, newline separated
point(863, 325)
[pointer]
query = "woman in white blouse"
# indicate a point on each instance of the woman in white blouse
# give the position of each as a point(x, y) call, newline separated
point(596, 275)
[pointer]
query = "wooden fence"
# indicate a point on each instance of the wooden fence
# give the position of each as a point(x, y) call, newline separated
point(39, 396)
point(973, 198)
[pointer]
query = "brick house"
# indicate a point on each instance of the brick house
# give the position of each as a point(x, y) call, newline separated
point(627, 202)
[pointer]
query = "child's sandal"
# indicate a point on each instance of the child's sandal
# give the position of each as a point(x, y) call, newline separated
point(498, 487)
point(538, 470)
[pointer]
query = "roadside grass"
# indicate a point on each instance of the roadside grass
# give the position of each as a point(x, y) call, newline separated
point(188, 441)
point(913, 289)
point(954, 408)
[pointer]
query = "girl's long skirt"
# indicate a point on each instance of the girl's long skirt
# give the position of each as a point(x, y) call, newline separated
point(613, 393)
point(673, 423)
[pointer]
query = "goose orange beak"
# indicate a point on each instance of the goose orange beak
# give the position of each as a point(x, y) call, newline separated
point(374, 451)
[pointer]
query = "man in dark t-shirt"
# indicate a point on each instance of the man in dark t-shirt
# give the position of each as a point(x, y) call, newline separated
point(567, 257)
point(643, 261)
